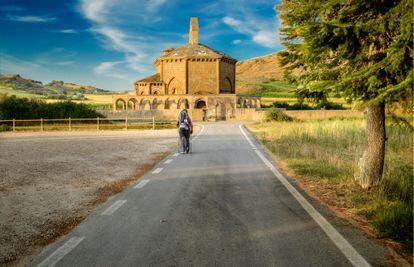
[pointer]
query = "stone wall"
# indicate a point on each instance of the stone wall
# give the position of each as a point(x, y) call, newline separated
point(227, 76)
point(202, 76)
point(174, 75)
point(195, 114)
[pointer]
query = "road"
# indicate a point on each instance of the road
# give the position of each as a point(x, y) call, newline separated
point(226, 204)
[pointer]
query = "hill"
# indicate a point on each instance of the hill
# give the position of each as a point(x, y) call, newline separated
point(17, 85)
point(252, 72)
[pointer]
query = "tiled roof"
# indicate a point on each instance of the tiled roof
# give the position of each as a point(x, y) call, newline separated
point(195, 50)
point(152, 78)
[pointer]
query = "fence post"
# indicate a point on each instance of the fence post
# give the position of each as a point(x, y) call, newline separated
point(70, 124)
point(14, 125)
point(126, 123)
point(153, 123)
point(97, 123)
point(41, 124)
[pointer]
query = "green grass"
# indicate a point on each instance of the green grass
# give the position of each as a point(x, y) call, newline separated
point(326, 152)
point(5, 89)
point(276, 89)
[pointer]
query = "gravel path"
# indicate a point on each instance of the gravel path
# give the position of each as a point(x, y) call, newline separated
point(50, 181)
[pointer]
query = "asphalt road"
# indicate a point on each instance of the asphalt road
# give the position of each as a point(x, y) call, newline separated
point(226, 204)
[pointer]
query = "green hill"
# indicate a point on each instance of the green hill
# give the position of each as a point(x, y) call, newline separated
point(14, 84)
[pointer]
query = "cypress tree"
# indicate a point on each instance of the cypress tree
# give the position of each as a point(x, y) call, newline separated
point(359, 49)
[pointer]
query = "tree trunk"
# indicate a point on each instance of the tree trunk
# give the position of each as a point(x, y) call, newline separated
point(371, 164)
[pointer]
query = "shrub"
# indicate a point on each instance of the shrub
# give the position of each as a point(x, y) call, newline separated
point(395, 221)
point(279, 104)
point(274, 114)
point(4, 128)
point(300, 106)
point(24, 108)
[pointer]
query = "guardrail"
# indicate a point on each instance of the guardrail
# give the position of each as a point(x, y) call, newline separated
point(71, 124)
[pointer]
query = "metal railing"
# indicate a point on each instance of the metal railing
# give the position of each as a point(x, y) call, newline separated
point(71, 124)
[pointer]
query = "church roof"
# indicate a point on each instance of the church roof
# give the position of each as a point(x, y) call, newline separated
point(152, 78)
point(195, 50)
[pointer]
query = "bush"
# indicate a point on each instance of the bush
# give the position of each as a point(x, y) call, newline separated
point(278, 104)
point(24, 108)
point(5, 128)
point(300, 106)
point(395, 221)
point(274, 114)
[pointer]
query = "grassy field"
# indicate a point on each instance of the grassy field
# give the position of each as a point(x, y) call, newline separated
point(323, 155)
point(10, 91)
point(92, 99)
point(279, 91)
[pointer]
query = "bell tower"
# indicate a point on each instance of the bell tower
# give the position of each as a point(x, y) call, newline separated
point(193, 34)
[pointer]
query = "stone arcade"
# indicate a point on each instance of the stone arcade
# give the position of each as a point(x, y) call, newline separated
point(195, 74)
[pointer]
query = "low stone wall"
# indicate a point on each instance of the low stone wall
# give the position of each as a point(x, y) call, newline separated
point(244, 114)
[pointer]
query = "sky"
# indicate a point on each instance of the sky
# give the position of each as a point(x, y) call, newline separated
point(111, 43)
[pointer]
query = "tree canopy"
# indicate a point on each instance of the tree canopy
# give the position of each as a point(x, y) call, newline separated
point(359, 49)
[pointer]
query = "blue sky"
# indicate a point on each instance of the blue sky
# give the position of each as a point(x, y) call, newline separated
point(111, 43)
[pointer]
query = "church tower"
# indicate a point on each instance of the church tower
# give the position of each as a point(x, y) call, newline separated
point(193, 34)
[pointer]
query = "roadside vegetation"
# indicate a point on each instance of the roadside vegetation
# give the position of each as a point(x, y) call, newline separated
point(324, 155)
point(12, 107)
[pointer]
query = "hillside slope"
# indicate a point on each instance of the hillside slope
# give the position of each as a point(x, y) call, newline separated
point(250, 73)
point(17, 85)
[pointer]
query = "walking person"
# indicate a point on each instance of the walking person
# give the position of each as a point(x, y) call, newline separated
point(185, 127)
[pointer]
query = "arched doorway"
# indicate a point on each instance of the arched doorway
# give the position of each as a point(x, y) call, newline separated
point(120, 104)
point(132, 104)
point(200, 104)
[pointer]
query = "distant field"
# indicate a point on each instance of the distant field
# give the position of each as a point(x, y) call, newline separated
point(279, 91)
point(90, 98)
point(10, 91)
point(275, 89)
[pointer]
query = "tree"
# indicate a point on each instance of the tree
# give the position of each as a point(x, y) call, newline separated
point(359, 49)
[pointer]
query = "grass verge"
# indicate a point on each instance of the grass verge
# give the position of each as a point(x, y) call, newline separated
point(323, 155)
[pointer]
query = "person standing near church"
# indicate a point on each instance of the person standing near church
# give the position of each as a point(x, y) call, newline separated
point(185, 128)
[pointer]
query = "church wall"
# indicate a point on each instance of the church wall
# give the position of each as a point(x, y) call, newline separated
point(202, 76)
point(142, 89)
point(227, 74)
point(174, 68)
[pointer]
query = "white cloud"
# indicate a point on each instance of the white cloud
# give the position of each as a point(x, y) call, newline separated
point(96, 10)
point(110, 20)
point(70, 31)
point(237, 41)
point(267, 38)
point(262, 33)
point(30, 19)
point(236, 24)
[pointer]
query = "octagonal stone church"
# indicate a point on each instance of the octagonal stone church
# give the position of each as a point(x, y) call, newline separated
point(193, 73)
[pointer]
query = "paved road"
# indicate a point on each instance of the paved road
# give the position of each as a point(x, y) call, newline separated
point(224, 205)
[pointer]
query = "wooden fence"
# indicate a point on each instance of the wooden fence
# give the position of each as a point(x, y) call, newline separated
point(71, 124)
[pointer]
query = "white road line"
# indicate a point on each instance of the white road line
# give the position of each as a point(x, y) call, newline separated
point(176, 154)
point(61, 252)
point(350, 253)
point(247, 138)
point(111, 209)
point(168, 161)
point(141, 184)
point(199, 133)
point(157, 170)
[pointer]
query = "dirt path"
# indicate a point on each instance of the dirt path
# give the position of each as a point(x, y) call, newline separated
point(49, 182)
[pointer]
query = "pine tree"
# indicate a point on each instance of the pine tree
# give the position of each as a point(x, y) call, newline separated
point(359, 49)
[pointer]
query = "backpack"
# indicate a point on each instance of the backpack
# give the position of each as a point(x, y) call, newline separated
point(183, 121)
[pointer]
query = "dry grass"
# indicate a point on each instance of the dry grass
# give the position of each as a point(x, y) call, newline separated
point(324, 114)
point(323, 154)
